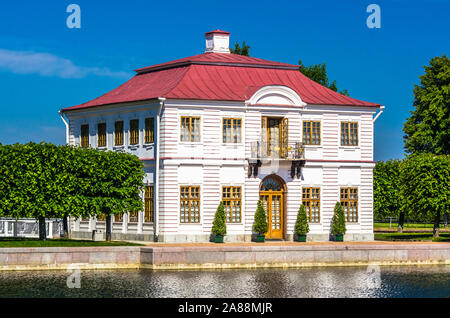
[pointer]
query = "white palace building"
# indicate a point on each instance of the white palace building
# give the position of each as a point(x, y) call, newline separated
point(224, 127)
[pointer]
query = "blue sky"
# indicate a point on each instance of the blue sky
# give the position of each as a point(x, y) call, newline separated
point(45, 66)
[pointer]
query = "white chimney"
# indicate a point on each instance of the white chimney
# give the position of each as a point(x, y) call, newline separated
point(217, 41)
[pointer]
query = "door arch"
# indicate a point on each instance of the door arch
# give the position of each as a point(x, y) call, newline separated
point(272, 192)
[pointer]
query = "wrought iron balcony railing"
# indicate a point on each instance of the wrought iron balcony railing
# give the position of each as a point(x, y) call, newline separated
point(266, 150)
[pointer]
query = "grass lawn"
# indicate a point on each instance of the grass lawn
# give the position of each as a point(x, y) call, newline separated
point(394, 225)
point(32, 242)
point(443, 237)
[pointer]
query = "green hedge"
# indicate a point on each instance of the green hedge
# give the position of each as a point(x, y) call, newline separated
point(46, 180)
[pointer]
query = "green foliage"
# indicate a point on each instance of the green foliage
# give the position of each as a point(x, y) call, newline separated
point(260, 226)
point(45, 180)
point(338, 223)
point(318, 73)
point(301, 226)
point(244, 50)
point(425, 184)
point(428, 128)
point(386, 189)
point(219, 226)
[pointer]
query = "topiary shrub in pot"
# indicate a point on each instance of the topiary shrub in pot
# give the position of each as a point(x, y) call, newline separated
point(260, 226)
point(301, 226)
point(219, 228)
point(338, 225)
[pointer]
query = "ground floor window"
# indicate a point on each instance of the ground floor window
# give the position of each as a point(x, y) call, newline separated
point(133, 217)
point(118, 217)
point(149, 207)
point(231, 198)
point(311, 201)
point(190, 204)
point(349, 201)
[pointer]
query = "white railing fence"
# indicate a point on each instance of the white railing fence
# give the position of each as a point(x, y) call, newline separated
point(29, 227)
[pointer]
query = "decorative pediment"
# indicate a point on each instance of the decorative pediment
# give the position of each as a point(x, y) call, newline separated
point(276, 95)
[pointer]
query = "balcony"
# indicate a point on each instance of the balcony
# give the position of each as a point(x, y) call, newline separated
point(263, 150)
point(266, 152)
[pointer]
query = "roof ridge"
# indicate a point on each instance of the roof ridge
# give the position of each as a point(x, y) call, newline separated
point(221, 59)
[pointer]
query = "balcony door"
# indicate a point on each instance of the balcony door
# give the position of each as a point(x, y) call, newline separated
point(272, 194)
point(275, 136)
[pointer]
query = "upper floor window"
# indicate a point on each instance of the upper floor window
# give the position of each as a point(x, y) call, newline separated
point(149, 206)
point(311, 201)
point(190, 129)
point(349, 134)
point(134, 131)
point(190, 204)
point(231, 198)
point(84, 136)
point(349, 201)
point(101, 135)
point(311, 132)
point(118, 133)
point(149, 130)
point(274, 134)
point(232, 130)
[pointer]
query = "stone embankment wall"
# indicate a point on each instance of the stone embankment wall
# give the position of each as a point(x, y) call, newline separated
point(223, 256)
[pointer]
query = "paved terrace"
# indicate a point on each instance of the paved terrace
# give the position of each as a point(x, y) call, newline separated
point(226, 255)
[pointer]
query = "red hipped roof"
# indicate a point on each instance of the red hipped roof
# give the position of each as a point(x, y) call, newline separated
point(218, 76)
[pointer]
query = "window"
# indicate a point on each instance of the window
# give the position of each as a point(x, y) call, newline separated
point(118, 217)
point(190, 204)
point(274, 134)
point(190, 129)
point(149, 130)
point(349, 134)
point(231, 198)
point(311, 132)
point(84, 136)
point(231, 130)
point(133, 217)
point(134, 131)
point(149, 207)
point(311, 201)
point(101, 135)
point(118, 133)
point(349, 201)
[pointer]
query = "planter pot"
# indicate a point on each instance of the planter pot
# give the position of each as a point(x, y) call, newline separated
point(218, 238)
point(301, 238)
point(260, 238)
point(340, 238)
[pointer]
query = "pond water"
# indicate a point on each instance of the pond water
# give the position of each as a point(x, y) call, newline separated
point(373, 281)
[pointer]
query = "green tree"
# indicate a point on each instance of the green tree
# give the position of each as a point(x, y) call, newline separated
point(244, 50)
point(48, 181)
point(260, 226)
point(338, 222)
point(301, 225)
point(425, 186)
point(318, 73)
point(428, 128)
point(219, 226)
point(386, 191)
point(108, 182)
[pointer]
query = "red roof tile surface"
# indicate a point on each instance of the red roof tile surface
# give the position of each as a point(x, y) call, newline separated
point(218, 76)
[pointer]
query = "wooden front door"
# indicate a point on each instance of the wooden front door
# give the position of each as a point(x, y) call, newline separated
point(272, 198)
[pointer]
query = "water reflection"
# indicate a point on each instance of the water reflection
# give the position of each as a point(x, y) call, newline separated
point(402, 281)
